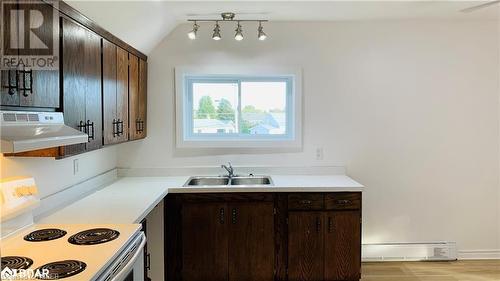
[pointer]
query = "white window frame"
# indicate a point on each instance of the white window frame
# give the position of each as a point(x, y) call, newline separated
point(186, 138)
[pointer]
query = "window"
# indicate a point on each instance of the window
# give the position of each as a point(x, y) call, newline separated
point(237, 110)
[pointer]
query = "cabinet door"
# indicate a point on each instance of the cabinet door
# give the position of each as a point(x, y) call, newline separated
point(134, 106)
point(305, 246)
point(204, 241)
point(45, 90)
point(74, 82)
point(143, 97)
point(343, 245)
point(8, 74)
point(251, 241)
point(43, 84)
point(8, 90)
point(122, 93)
point(93, 93)
point(109, 91)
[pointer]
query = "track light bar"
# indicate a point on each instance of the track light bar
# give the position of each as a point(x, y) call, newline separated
point(227, 17)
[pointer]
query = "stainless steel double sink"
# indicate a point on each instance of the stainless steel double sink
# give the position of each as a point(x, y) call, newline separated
point(223, 181)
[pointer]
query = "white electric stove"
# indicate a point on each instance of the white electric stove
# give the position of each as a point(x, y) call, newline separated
point(110, 252)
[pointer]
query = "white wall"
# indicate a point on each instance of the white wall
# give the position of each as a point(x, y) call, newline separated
point(53, 175)
point(410, 107)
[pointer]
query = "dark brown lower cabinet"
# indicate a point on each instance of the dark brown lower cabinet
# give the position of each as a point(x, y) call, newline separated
point(251, 241)
point(254, 236)
point(306, 246)
point(342, 245)
point(204, 241)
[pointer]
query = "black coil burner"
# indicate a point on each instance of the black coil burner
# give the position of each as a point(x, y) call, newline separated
point(15, 262)
point(63, 269)
point(94, 236)
point(45, 235)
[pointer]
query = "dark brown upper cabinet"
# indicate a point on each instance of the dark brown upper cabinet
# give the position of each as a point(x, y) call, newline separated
point(115, 93)
point(81, 74)
point(137, 98)
point(26, 85)
point(87, 53)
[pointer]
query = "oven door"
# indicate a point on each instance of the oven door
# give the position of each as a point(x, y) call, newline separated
point(129, 266)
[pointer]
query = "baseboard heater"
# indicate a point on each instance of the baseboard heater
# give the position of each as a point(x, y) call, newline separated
point(434, 251)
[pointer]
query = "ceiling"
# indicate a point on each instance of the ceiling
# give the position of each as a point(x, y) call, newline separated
point(144, 24)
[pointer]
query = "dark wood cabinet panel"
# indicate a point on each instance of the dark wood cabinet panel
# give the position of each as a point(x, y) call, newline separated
point(74, 84)
point(134, 104)
point(8, 90)
point(122, 93)
point(42, 87)
point(115, 93)
point(82, 84)
point(109, 91)
point(204, 241)
point(306, 201)
point(343, 201)
point(305, 246)
point(93, 93)
point(45, 91)
point(137, 98)
point(343, 245)
point(143, 97)
point(251, 241)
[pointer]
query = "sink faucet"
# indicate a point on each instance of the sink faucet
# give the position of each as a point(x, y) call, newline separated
point(229, 169)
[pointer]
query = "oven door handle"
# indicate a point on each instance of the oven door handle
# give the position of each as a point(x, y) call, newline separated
point(126, 269)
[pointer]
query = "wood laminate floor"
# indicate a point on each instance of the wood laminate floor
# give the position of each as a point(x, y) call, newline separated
point(477, 270)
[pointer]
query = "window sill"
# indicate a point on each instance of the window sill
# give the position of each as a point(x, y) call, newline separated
point(239, 144)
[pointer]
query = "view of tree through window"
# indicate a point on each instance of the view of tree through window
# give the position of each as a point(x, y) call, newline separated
point(245, 107)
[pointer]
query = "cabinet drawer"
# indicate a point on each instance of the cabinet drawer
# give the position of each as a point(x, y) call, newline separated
point(343, 201)
point(306, 201)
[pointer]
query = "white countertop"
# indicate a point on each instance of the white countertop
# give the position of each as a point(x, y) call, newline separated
point(130, 199)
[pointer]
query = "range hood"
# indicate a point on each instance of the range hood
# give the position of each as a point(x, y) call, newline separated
point(25, 131)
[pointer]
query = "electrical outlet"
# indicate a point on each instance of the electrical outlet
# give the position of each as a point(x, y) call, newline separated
point(319, 153)
point(75, 166)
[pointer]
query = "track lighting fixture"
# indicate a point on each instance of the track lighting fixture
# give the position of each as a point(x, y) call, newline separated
point(239, 33)
point(227, 17)
point(216, 36)
point(262, 35)
point(192, 33)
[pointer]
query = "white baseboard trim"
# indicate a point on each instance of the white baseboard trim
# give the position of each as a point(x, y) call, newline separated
point(479, 254)
point(429, 251)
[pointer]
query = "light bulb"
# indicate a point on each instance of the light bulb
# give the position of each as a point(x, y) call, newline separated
point(192, 34)
point(216, 36)
point(239, 33)
point(262, 35)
